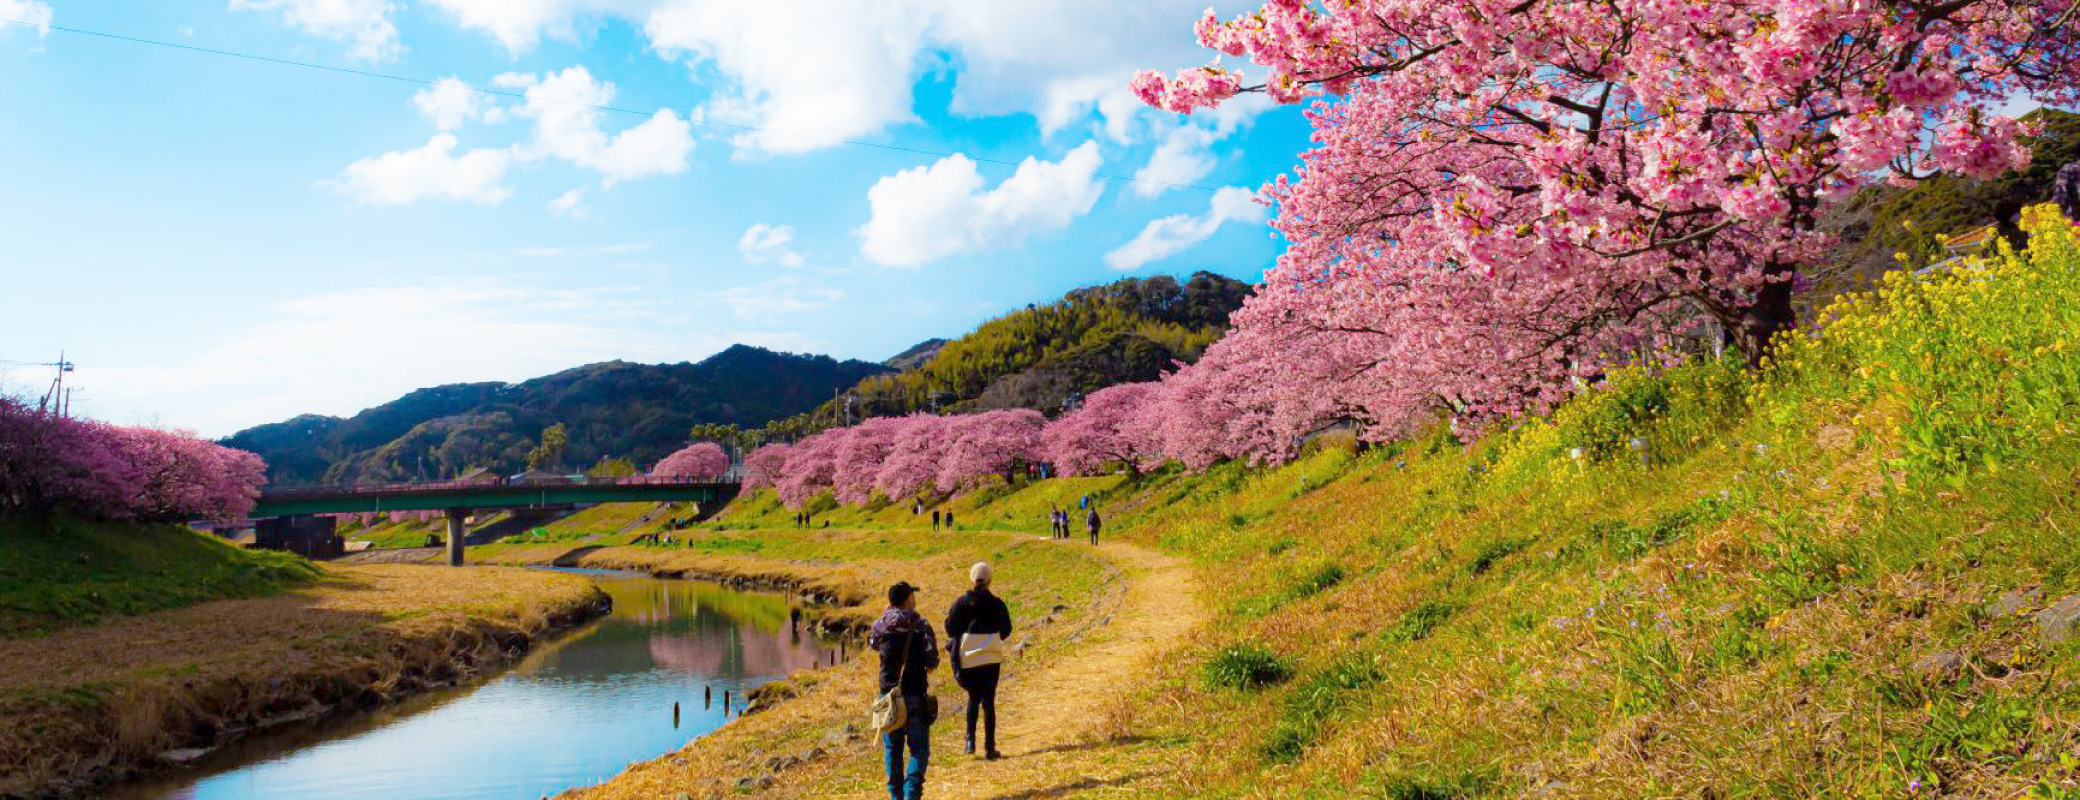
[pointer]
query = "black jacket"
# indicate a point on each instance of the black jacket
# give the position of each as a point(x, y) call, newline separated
point(889, 634)
point(978, 611)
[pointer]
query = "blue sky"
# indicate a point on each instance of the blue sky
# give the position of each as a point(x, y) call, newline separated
point(220, 242)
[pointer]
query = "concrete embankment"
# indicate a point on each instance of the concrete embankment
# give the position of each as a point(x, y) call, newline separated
point(88, 706)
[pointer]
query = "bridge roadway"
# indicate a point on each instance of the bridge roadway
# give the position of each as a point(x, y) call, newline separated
point(459, 499)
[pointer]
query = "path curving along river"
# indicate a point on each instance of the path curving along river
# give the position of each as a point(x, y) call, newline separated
point(572, 714)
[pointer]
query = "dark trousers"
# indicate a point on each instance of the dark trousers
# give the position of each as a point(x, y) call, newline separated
point(981, 684)
point(906, 781)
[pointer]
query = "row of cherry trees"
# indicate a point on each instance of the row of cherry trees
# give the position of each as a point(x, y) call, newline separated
point(97, 470)
point(900, 457)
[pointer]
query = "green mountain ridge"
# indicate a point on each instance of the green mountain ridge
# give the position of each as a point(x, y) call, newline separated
point(637, 411)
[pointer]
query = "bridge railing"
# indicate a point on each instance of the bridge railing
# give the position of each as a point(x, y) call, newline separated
point(356, 489)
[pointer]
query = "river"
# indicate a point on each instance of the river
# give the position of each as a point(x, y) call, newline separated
point(573, 713)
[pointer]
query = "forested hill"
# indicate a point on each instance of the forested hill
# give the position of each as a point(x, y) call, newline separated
point(640, 412)
point(1129, 330)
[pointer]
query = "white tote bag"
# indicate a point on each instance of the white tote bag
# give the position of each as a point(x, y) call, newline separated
point(981, 650)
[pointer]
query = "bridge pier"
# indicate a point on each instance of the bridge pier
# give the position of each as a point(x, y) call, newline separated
point(456, 533)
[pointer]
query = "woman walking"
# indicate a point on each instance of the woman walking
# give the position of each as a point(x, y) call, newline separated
point(975, 631)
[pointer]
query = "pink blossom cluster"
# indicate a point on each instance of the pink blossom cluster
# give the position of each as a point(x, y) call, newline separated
point(899, 458)
point(700, 460)
point(102, 471)
point(1506, 199)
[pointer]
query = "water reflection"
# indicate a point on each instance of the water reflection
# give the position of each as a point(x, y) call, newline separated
point(572, 714)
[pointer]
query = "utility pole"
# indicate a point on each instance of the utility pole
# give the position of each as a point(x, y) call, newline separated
point(58, 399)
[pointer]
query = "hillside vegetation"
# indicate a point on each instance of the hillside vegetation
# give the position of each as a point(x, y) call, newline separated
point(638, 412)
point(1129, 330)
point(1850, 574)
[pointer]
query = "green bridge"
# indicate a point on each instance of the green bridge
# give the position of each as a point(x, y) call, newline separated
point(458, 500)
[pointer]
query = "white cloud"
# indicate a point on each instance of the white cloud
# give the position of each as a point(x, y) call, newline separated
point(567, 127)
point(449, 103)
point(1170, 235)
point(27, 12)
point(520, 24)
point(432, 171)
point(365, 22)
point(928, 213)
point(847, 68)
point(570, 204)
point(777, 297)
point(769, 244)
point(1184, 149)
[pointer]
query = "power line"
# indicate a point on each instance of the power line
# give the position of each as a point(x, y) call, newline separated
point(611, 109)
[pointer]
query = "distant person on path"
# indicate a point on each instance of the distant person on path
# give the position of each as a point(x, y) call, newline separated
point(908, 655)
point(1085, 502)
point(975, 630)
point(949, 519)
point(935, 519)
point(1092, 522)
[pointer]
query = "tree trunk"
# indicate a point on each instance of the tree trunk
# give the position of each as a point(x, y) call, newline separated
point(1770, 315)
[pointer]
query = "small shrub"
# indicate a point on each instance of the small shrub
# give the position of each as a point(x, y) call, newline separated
point(1309, 707)
point(1496, 551)
point(1419, 622)
point(1246, 666)
point(1318, 581)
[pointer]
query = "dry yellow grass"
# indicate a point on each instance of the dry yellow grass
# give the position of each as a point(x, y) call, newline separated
point(89, 704)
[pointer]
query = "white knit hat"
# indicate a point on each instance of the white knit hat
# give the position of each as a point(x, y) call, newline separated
point(980, 572)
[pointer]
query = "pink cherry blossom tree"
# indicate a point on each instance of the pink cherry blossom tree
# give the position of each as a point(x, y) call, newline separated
point(1110, 426)
point(1508, 196)
point(810, 467)
point(764, 466)
point(700, 460)
point(860, 456)
point(102, 471)
point(914, 456)
point(988, 444)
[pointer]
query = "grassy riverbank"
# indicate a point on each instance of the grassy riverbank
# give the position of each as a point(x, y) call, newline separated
point(59, 572)
point(92, 703)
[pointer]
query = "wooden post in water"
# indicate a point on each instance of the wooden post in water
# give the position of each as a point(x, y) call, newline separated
point(675, 715)
point(707, 697)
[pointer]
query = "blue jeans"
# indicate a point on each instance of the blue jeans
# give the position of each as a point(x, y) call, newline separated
point(918, 734)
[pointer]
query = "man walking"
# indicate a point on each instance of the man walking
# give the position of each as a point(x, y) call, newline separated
point(975, 630)
point(935, 519)
point(1091, 521)
point(908, 655)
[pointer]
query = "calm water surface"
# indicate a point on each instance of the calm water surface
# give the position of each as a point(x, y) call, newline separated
point(574, 713)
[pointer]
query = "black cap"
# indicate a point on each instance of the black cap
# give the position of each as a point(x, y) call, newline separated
point(900, 592)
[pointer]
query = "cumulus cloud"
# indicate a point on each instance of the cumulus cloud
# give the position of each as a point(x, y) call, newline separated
point(365, 23)
point(848, 68)
point(927, 213)
point(449, 103)
point(567, 127)
point(570, 204)
point(1184, 149)
point(431, 171)
point(769, 244)
point(1170, 235)
point(28, 12)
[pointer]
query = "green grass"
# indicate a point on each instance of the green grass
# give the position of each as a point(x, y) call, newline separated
point(1246, 666)
point(60, 572)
